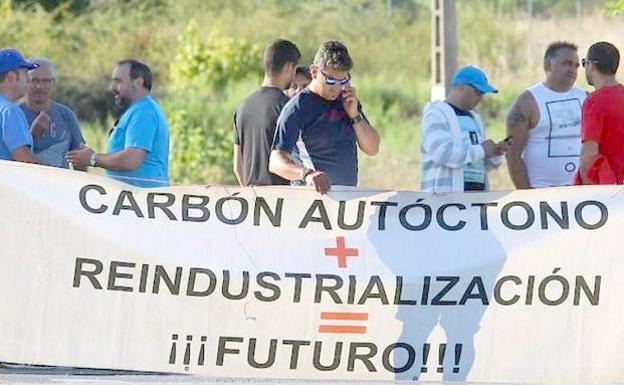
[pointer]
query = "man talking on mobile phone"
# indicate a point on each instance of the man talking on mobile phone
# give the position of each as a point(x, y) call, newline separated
point(318, 129)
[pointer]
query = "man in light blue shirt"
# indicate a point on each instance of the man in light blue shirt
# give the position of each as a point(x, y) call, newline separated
point(138, 146)
point(15, 138)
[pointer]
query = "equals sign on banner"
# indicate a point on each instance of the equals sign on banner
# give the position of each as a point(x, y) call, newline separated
point(343, 323)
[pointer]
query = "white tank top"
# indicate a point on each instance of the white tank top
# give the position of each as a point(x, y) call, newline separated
point(551, 154)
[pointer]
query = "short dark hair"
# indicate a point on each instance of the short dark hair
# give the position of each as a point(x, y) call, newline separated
point(305, 71)
point(139, 69)
point(605, 56)
point(278, 53)
point(553, 49)
point(333, 54)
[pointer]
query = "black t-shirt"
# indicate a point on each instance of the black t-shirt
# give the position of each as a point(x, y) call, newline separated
point(254, 127)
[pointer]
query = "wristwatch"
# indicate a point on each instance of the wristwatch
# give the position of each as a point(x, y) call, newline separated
point(305, 172)
point(93, 161)
point(358, 118)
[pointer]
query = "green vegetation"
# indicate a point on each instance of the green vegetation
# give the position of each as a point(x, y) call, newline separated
point(206, 55)
point(615, 6)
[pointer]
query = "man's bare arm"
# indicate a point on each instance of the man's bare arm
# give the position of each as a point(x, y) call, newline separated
point(589, 152)
point(237, 161)
point(519, 122)
point(24, 154)
point(367, 137)
point(280, 164)
point(126, 159)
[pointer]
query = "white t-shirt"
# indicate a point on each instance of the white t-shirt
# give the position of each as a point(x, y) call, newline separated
point(551, 154)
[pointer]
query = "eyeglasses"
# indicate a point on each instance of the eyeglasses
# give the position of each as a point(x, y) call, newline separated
point(43, 82)
point(476, 90)
point(584, 62)
point(331, 81)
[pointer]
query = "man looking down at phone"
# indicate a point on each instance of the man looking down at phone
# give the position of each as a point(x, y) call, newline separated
point(317, 130)
point(455, 156)
point(545, 121)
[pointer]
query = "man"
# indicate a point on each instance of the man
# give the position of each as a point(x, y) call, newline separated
point(15, 138)
point(53, 125)
point(301, 81)
point(545, 123)
point(455, 156)
point(138, 146)
point(318, 129)
point(255, 118)
point(602, 156)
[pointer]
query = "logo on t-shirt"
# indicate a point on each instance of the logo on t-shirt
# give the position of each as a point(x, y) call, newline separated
point(474, 137)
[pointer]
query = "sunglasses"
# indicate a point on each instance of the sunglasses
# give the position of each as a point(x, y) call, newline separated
point(331, 81)
point(584, 62)
point(476, 90)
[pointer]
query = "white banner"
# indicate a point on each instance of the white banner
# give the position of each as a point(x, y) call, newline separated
point(276, 282)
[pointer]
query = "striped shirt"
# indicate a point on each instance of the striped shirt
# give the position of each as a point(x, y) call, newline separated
point(445, 152)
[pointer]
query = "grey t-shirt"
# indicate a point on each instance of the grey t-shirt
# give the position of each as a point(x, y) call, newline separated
point(62, 135)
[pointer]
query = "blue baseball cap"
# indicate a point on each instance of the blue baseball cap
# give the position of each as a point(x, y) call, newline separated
point(11, 59)
point(473, 76)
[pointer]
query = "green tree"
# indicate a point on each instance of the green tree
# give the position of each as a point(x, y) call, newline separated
point(614, 6)
point(200, 115)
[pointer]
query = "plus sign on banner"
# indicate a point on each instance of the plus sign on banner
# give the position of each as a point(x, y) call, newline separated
point(341, 252)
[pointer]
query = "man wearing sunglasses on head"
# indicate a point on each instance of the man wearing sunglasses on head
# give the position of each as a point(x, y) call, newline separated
point(317, 131)
point(602, 155)
point(455, 156)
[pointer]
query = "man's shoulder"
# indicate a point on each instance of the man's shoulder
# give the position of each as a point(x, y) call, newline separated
point(12, 111)
point(145, 105)
point(437, 107)
point(264, 96)
point(25, 109)
point(61, 108)
point(527, 97)
point(7, 105)
point(304, 103)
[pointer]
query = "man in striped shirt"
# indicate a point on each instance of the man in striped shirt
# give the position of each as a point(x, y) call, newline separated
point(455, 155)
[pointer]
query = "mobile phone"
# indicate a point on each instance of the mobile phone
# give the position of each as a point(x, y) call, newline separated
point(507, 139)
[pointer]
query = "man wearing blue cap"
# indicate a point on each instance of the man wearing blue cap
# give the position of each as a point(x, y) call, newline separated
point(15, 138)
point(455, 156)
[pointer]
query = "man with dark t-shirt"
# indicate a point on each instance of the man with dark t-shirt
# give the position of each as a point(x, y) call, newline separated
point(602, 133)
point(255, 118)
point(317, 131)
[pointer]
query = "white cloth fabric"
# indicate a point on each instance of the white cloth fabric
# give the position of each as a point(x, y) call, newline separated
point(551, 154)
point(444, 152)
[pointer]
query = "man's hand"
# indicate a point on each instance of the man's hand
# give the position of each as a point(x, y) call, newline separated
point(505, 145)
point(493, 149)
point(319, 180)
point(350, 102)
point(80, 158)
point(40, 124)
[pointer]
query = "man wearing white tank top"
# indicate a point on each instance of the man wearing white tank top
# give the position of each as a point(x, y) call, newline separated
point(545, 124)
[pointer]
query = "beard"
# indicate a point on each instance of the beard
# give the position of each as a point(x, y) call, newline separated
point(121, 101)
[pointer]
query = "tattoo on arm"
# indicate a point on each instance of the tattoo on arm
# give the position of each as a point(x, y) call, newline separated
point(516, 117)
